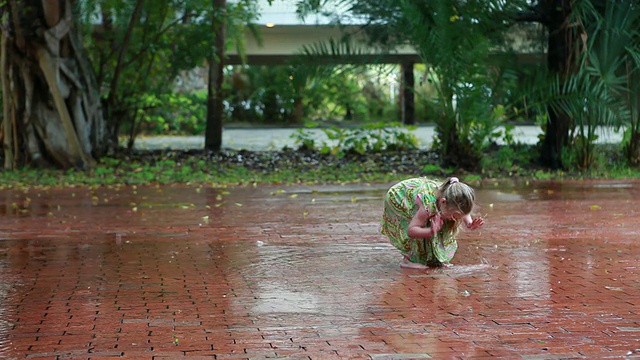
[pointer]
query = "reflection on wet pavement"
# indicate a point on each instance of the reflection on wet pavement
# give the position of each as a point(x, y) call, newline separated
point(300, 271)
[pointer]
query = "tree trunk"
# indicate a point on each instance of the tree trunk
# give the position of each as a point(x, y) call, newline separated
point(213, 135)
point(559, 61)
point(52, 113)
point(632, 149)
point(298, 110)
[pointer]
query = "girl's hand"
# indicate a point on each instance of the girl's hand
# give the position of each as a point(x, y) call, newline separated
point(436, 224)
point(418, 226)
point(475, 224)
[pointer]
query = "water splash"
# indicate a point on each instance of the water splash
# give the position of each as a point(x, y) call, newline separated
point(454, 271)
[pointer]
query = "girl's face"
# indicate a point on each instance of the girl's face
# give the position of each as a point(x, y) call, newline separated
point(449, 212)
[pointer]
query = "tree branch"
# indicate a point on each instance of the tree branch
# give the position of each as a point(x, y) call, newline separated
point(144, 49)
point(123, 50)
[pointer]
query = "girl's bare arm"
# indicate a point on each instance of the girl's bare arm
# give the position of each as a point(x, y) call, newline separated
point(473, 224)
point(417, 226)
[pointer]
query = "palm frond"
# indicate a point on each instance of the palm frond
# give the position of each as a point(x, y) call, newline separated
point(322, 60)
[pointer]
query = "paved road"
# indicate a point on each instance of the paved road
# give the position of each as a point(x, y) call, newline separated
point(301, 272)
point(261, 139)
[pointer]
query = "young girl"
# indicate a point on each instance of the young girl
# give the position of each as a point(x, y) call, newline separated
point(421, 218)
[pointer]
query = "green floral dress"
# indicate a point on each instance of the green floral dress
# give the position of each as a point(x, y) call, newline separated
point(400, 207)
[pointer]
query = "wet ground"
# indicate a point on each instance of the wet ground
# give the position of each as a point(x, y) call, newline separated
point(300, 272)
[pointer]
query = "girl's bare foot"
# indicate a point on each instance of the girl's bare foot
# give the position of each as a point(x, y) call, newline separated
point(407, 264)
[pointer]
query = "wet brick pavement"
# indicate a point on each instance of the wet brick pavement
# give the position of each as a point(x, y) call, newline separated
point(300, 272)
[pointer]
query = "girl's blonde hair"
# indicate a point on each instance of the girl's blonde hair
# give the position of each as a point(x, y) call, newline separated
point(460, 196)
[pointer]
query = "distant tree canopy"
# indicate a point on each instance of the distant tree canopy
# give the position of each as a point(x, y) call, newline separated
point(579, 86)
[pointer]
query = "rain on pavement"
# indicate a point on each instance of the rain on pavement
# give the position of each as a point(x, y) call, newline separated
point(301, 272)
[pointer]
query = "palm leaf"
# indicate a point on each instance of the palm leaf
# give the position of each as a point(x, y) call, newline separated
point(322, 60)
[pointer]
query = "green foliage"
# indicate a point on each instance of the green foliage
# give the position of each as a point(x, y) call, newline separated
point(457, 49)
point(261, 94)
point(582, 154)
point(346, 97)
point(466, 85)
point(305, 140)
point(543, 175)
point(134, 173)
point(431, 169)
point(374, 138)
point(137, 53)
point(173, 113)
point(505, 134)
point(508, 159)
point(269, 168)
point(340, 80)
point(631, 141)
point(600, 92)
point(270, 94)
point(456, 40)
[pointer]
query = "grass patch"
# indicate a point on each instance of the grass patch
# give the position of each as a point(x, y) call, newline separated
point(298, 167)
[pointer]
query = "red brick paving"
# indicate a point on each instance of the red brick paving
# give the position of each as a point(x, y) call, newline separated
point(300, 272)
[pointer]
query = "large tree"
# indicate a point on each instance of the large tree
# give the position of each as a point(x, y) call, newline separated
point(228, 25)
point(554, 15)
point(51, 102)
point(563, 37)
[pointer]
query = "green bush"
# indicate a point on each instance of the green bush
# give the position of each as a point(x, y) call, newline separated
point(173, 114)
point(506, 159)
point(374, 138)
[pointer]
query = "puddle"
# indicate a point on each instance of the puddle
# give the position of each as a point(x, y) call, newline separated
point(455, 271)
point(283, 301)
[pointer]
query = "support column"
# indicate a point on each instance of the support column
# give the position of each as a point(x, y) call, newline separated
point(407, 97)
